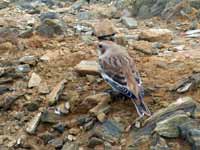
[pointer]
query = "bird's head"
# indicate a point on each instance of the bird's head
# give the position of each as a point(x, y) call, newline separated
point(104, 47)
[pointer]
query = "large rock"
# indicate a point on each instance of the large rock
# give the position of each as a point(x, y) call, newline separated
point(191, 132)
point(167, 122)
point(169, 127)
point(87, 67)
point(51, 27)
point(156, 35)
point(104, 28)
point(164, 8)
point(109, 130)
point(129, 22)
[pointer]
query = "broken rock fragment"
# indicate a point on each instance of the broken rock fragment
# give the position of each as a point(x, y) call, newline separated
point(34, 80)
point(56, 92)
point(87, 67)
point(156, 35)
point(32, 125)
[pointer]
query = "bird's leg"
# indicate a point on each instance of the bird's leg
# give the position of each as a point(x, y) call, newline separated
point(136, 123)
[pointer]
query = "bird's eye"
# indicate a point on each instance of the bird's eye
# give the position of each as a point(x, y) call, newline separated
point(100, 46)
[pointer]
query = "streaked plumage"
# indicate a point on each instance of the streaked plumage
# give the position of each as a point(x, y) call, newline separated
point(119, 71)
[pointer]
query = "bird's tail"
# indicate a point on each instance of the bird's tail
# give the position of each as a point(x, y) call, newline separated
point(141, 108)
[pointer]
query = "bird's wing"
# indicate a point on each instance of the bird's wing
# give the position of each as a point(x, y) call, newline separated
point(121, 70)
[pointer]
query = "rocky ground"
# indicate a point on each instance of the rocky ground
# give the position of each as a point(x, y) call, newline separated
point(52, 96)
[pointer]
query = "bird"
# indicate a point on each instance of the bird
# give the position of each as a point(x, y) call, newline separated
point(118, 69)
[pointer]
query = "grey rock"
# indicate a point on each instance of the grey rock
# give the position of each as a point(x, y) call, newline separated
point(140, 143)
point(144, 12)
point(78, 4)
point(191, 132)
point(60, 127)
point(81, 120)
point(46, 137)
point(9, 100)
point(89, 125)
point(109, 131)
point(195, 4)
point(57, 143)
point(159, 143)
point(32, 106)
point(26, 33)
point(190, 82)
point(130, 23)
point(49, 15)
point(70, 146)
point(94, 142)
point(84, 15)
point(51, 27)
point(4, 4)
point(4, 89)
point(31, 60)
point(23, 68)
point(49, 117)
point(32, 125)
point(169, 127)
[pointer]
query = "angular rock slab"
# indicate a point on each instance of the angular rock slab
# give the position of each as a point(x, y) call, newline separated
point(169, 127)
point(87, 67)
point(190, 131)
point(166, 122)
point(56, 92)
point(109, 130)
point(156, 35)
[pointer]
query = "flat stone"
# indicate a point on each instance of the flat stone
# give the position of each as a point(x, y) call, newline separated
point(49, 117)
point(60, 127)
point(87, 67)
point(23, 68)
point(129, 22)
point(109, 131)
point(34, 80)
point(70, 146)
point(169, 127)
point(32, 106)
point(32, 125)
point(56, 92)
point(31, 60)
point(51, 27)
point(144, 47)
point(46, 137)
point(94, 142)
point(43, 88)
point(186, 104)
point(156, 35)
point(141, 143)
point(9, 100)
point(191, 132)
point(57, 143)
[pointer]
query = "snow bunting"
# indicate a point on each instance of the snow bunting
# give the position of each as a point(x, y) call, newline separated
point(119, 71)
